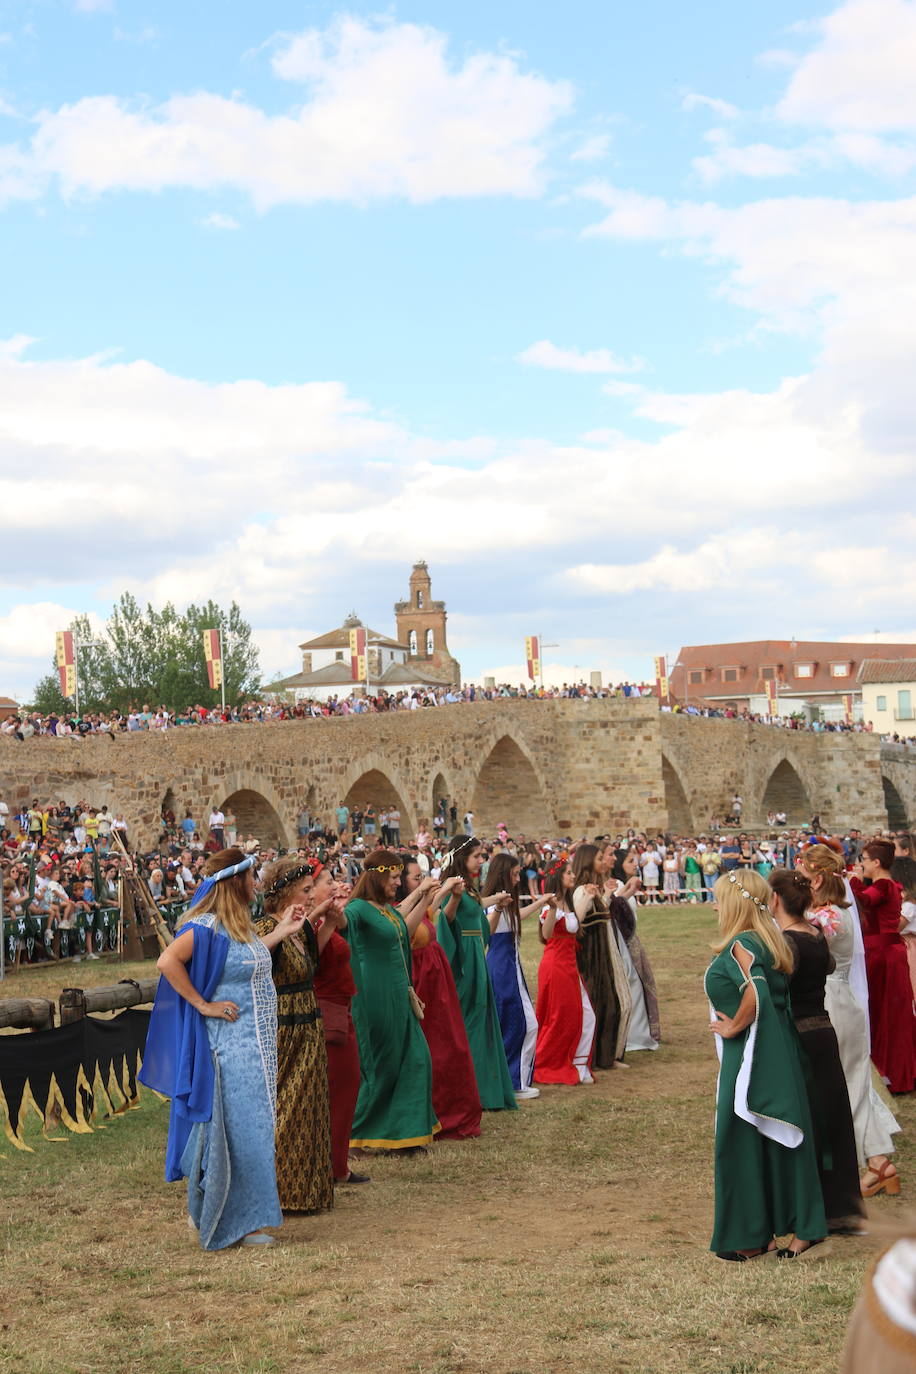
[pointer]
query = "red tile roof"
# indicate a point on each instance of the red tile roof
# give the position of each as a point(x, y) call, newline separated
point(750, 657)
point(888, 670)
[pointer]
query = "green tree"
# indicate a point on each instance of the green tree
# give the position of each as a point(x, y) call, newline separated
point(48, 698)
point(150, 657)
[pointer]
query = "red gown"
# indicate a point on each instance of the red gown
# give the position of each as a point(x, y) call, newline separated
point(456, 1100)
point(560, 1011)
point(890, 992)
point(334, 986)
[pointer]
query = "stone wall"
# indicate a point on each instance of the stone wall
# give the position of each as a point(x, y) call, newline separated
point(545, 768)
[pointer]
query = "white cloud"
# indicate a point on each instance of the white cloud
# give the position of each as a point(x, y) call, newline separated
point(93, 6)
point(219, 221)
point(694, 101)
point(860, 77)
point(386, 114)
point(547, 355)
point(594, 149)
point(708, 566)
point(756, 160)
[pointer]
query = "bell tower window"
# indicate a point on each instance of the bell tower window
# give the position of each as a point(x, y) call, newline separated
point(412, 641)
point(429, 643)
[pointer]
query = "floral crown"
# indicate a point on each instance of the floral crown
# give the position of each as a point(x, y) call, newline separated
point(452, 854)
point(310, 869)
point(562, 861)
point(736, 881)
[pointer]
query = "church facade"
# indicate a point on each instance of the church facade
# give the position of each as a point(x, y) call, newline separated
point(416, 657)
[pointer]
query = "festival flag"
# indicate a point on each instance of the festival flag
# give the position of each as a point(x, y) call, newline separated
point(66, 662)
point(661, 677)
point(771, 696)
point(214, 658)
point(847, 707)
point(358, 654)
point(533, 655)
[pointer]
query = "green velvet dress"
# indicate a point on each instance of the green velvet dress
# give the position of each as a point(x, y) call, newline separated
point(465, 943)
point(394, 1110)
point(766, 1165)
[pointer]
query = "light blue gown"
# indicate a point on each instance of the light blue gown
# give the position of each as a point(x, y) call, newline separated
point(229, 1160)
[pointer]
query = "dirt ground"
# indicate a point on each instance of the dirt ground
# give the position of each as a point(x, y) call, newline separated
point(572, 1235)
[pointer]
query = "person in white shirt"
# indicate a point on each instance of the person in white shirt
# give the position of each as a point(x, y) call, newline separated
point(217, 822)
point(649, 862)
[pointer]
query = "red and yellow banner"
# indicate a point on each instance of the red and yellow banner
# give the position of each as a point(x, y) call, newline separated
point(533, 656)
point(847, 707)
point(66, 662)
point(214, 658)
point(771, 696)
point(358, 654)
point(661, 677)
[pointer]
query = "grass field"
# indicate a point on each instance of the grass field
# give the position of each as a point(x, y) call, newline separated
point(572, 1236)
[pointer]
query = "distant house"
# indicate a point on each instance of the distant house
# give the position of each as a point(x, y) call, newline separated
point(812, 677)
point(888, 688)
point(8, 707)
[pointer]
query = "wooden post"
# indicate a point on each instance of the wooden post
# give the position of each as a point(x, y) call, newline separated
point(72, 1006)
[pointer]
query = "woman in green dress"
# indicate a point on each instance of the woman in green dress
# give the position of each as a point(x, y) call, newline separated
point(464, 932)
point(394, 1110)
point(766, 1165)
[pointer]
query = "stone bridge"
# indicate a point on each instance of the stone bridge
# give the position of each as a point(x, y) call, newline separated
point(543, 767)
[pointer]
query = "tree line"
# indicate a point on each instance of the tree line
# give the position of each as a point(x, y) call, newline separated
point(155, 658)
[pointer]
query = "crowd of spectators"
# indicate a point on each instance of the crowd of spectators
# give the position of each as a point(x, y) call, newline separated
point(69, 725)
point(61, 864)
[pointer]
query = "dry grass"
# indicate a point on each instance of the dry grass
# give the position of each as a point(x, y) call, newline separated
point(572, 1235)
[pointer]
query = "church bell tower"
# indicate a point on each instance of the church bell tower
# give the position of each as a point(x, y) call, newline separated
point(421, 626)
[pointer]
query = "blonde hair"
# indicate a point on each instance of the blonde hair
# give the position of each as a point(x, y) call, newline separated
point(227, 900)
point(820, 861)
point(742, 900)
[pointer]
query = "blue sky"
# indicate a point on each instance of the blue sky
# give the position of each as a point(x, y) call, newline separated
point(604, 310)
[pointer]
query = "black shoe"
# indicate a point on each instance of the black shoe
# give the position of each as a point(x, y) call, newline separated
point(352, 1177)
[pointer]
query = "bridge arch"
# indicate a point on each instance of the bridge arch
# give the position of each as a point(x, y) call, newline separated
point(440, 787)
point(509, 788)
point(894, 805)
point(254, 815)
point(677, 805)
point(786, 792)
point(374, 782)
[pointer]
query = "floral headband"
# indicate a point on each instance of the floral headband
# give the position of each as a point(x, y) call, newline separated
point(453, 853)
point(735, 880)
point(310, 869)
point(561, 863)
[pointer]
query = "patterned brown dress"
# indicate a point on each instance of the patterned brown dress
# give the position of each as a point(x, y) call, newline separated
point(304, 1179)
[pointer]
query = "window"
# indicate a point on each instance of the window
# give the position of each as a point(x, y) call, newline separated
point(696, 676)
point(905, 704)
point(429, 643)
point(412, 641)
point(839, 670)
point(768, 674)
point(880, 703)
point(729, 674)
point(339, 656)
point(804, 670)
point(419, 601)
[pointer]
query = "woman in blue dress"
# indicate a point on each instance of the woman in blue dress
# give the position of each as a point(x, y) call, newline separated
point(500, 901)
point(212, 1048)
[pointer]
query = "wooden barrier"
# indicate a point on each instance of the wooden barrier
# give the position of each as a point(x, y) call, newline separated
point(33, 1013)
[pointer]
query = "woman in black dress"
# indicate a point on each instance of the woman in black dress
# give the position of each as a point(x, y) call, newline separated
point(598, 957)
point(830, 1111)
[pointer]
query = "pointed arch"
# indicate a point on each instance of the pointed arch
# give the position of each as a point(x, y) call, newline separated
point(894, 805)
point(786, 792)
point(680, 818)
point(509, 790)
point(440, 788)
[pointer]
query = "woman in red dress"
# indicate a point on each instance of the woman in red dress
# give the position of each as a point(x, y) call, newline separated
point(335, 989)
point(456, 1100)
point(890, 992)
point(566, 1020)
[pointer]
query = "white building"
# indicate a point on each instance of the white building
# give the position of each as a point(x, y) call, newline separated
point(888, 689)
point(326, 666)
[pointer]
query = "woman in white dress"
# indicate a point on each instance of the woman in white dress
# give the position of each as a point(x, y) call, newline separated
point(873, 1122)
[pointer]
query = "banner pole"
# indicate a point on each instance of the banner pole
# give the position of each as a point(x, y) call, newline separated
point(222, 670)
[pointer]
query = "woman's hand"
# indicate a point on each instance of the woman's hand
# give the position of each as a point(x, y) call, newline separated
point(223, 1011)
point(591, 889)
point(448, 887)
point(724, 1026)
point(291, 920)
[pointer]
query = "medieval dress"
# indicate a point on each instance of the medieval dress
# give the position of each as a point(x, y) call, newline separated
point(890, 992)
point(513, 1002)
point(566, 1019)
point(335, 989)
point(304, 1180)
point(605, 977)
point(464, 940)
point(644, 1031)
point(766, 1179)
point(394, 1110)
point(456, 1100)
point(222, 1078)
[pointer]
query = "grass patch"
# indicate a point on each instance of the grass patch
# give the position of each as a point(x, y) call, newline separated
point(573, 1234)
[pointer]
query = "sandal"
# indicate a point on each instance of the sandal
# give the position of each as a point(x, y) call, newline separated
point(885, 1182)
point(739, 1257)
point(787, 1253)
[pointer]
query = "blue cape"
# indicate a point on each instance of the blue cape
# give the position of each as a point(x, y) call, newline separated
point(177, 1061)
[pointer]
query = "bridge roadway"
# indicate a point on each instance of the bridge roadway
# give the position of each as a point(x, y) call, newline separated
point(544, 767)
